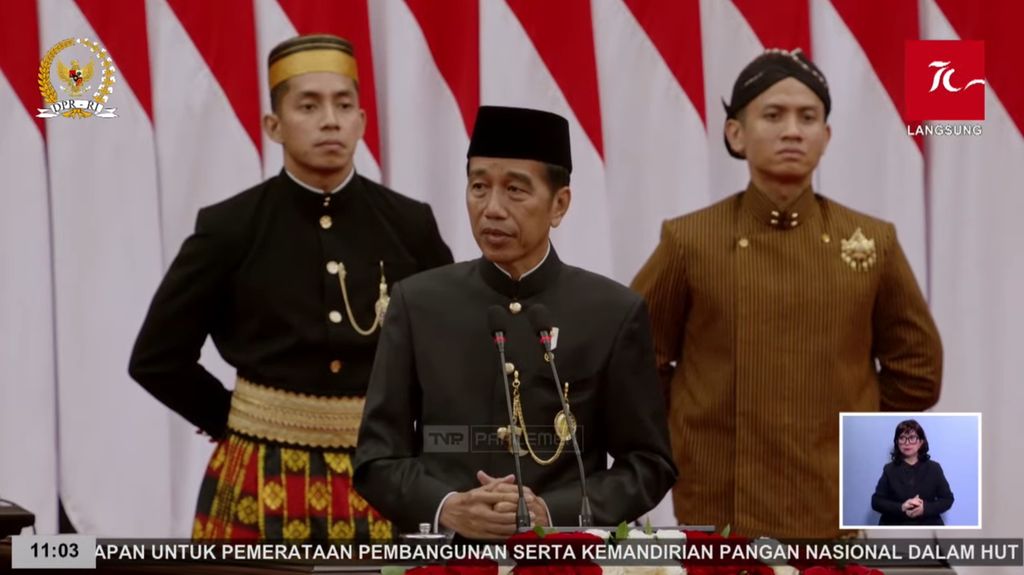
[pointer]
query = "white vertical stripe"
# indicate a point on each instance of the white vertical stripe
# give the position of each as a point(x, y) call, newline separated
point(871, 164)
point(28, 410)
point(655, 144)
point(729, 44)
point(978, 276)
point(114, 471)
point(423, 137)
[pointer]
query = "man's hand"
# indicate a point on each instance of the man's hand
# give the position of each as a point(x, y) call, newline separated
point(534, 504)
point(472, 513)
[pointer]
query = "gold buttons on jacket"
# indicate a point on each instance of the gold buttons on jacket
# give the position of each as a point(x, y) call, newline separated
point(515, 307)
point(336, 366)
point(509, 367)
point(326, 222)
point(744, 242)
point(334, 316)
point(332, 268)
point(826, 238)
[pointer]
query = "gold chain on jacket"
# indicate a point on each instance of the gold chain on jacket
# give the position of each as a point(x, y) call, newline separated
point(380, 308)
point(565, 423)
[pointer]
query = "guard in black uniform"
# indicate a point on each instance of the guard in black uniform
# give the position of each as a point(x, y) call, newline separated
point(291, 279)
point(438, 371)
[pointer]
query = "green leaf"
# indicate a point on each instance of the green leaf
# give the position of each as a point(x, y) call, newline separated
point(727, 530)
point(648, 529)
point(539, 530)
point(392, 570)
point(622, 531)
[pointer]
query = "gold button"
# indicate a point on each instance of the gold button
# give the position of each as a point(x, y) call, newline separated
point(336, 366)
point(744, 242)
point(794, 215)
point(775, 222)
point(793, 223)
point(332, 268)
point(826, 238)
point(335, 316)
point(326, 222)
point(515, 307)
point(509, 367)
point(775, 213)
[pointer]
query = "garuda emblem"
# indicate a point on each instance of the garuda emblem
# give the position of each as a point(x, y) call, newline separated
point(74, 79)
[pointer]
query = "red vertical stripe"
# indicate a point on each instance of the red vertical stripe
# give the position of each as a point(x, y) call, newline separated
point(224, 32)
point(20, 53)
point(674, 29)
point(882, 28)
point(349, 19)
point(782, 24)
point(122, 31)
point(563, 33)
point(452, 31)
point(997, 22)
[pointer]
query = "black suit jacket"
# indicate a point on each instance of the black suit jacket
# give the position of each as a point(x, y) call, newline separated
point(900, 482)
point(254, 276)
point(437, 372)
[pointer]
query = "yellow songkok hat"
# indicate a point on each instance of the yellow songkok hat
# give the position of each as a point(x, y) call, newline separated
point(312, 53)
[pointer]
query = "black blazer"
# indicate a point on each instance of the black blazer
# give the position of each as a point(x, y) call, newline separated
point(437, 369)
point(255, 277)
point(900, 482)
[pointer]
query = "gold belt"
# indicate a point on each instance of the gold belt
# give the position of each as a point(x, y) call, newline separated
point(288, 417)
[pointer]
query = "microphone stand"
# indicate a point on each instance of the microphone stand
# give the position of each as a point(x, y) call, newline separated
point(522, 514)
point(586, 516)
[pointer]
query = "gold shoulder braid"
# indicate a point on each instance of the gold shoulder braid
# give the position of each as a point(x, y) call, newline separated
point(380, 308)
point(565, 425)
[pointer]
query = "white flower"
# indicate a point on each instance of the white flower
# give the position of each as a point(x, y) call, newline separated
point(669, 534)
point(638, 534)
point(599, 533)
point(785, 570)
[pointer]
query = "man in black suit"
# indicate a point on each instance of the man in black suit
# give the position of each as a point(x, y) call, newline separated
point(438, 369)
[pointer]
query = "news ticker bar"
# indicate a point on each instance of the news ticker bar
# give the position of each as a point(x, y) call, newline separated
point(86, 552)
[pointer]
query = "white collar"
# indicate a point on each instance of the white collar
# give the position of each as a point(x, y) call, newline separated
point(348, 179)
point(531, 270)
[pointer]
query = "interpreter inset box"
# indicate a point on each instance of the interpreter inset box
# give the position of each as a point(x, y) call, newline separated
point(910, 470)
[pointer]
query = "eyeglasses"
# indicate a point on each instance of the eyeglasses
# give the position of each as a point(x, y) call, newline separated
point(911, 439)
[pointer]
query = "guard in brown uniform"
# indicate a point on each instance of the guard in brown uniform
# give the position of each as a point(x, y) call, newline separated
point(774, 310)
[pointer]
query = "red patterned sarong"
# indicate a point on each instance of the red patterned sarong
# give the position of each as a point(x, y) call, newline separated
point(266, 491)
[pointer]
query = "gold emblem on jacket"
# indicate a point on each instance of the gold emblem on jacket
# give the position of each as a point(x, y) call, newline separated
point(858, 251)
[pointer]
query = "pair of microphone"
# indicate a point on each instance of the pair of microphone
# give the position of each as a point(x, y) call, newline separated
point(540, 320)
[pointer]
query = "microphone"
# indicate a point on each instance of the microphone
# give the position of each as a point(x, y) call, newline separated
point(496, 318)
point(540, 319)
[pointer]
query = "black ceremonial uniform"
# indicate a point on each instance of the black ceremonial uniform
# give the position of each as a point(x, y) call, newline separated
point(437, 366)
point(261, 276)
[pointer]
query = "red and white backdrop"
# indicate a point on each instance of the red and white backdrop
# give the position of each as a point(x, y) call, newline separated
point(93, 210)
